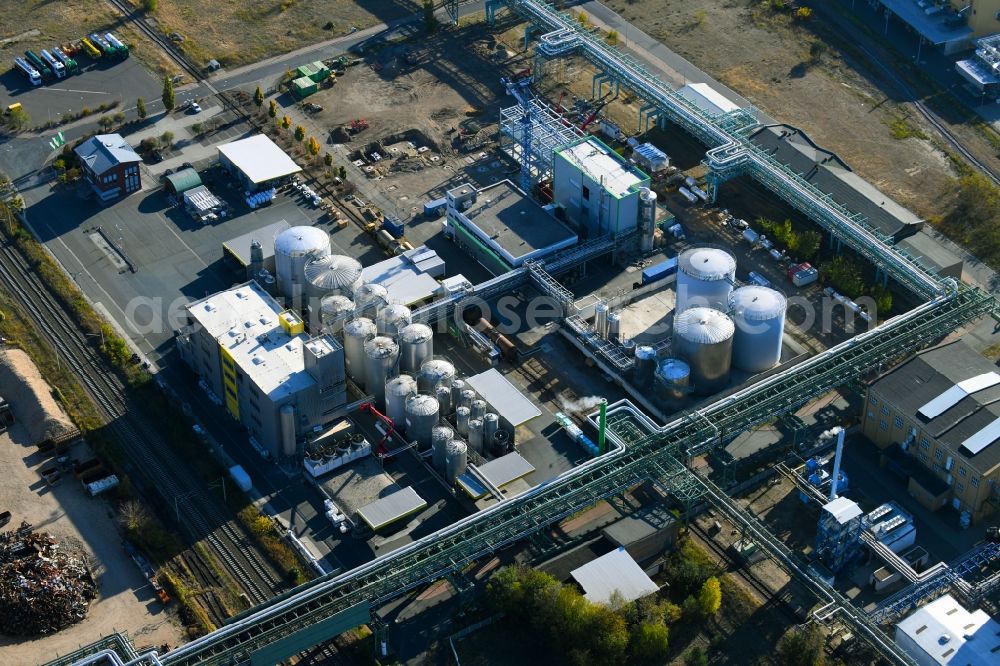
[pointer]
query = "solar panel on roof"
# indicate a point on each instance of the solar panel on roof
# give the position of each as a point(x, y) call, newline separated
point(983, 438)
point(956, 393)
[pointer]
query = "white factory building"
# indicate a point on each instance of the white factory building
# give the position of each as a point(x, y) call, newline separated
point(253, 355)
point(943, 633)
point(257, 162)
point(597, 188)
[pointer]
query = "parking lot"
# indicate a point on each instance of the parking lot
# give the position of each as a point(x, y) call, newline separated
point(99, 82)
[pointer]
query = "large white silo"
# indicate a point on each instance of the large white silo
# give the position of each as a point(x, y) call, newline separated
point(703, 337)
point(705, 277)
point(759, 314)
point(293, 249)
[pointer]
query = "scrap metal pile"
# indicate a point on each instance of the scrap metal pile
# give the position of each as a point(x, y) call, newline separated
point(43, 588)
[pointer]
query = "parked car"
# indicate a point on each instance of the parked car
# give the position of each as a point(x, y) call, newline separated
point(195, 107)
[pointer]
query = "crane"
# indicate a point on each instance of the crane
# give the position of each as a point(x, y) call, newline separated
point(390, 427)
point(600, 104)
point(519, 87)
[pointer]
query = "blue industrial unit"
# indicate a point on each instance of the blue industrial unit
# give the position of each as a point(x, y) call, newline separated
point(393, 226)
point(659, 271)
point(838, 535)
point(435, 207)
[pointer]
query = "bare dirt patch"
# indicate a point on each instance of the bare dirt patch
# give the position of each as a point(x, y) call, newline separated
point(786, 71)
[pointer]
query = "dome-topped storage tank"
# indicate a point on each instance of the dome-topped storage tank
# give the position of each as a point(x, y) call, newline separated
point(422, 414)
point(368, 298)
point(334, 311)
point(356, 333)
point(391, 319)
point(456, 460)
point(397, 391)
point(705, 277)
point(382, 362)
point(433, 373)
point(704, 338)
point(293, 249)
point(416, 345)
point(645, 365)
point(673, 376)
point(759, 314)
point(332, 274)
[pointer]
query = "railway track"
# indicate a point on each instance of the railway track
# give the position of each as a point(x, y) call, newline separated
point(148, 453)
point(208, 584)
point(780, 602)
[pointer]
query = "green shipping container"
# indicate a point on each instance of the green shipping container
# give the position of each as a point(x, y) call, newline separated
point(303, 87)
point(320, 72)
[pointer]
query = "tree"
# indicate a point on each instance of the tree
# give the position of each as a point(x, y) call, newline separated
point(133, 516)
point(843, 275)
point(649, 643)
point(803, 13)
point(18, 118)
point(710, 597)
point(343, 172)
point(313, 146)
point(140, 108)
point(168, 94)
point(802, 647)
point(695, 657)
point(583, 18)
point(809, 242)
point(149, 5)
point(328, 159)
point(119, 117)
point(300, 132)
point(258, 97)
point(273, 109)
point(167, 138)
point(690, 609)
point(612, 37)
point(430, 21)
point(105, 122)
point(286, 122)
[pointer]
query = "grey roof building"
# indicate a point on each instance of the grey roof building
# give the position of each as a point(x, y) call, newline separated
point(110, 166)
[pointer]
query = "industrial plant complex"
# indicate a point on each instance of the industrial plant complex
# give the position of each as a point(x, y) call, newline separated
point(580, 328)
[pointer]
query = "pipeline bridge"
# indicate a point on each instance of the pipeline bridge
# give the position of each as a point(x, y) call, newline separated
point(731, 153)
point(327, 606)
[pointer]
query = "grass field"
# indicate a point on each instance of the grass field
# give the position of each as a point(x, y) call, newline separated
point(248, 31)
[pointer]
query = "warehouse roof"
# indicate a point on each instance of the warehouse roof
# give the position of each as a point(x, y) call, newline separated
point(259, 158)
point(239, 247)
point(938, 27)
point(603, 165)
point(515, 226)
point(831, 175)
point(391, 508)
point(106, 151)
point(614, 572)
point(943, 632)
point(918, 388)
point(408, 277)
point(183, 180)
point(247, 323)
point(933, 255)
point(507, 401)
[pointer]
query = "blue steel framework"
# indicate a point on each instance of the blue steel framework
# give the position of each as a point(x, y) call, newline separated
point(326, 606)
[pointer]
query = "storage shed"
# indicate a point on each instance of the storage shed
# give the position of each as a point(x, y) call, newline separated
point(182, 181)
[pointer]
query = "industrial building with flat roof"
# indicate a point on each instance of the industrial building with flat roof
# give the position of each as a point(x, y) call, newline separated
point(597, 188)
point(944, 633)
point(271, 378)
point(502, 227)
point(942, 408)
point(257, 161)
point(410, 277)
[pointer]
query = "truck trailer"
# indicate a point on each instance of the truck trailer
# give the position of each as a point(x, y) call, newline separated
point(90, 48)
point(69, 63)
point(38, 63)
point(55, 64)
point(33, 75)
point(118, 45)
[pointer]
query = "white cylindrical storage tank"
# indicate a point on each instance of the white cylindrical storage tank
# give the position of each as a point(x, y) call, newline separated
point(645, 365)
point(705, 278)
point(286, 419)
point(334, 311)
point(422, 414)
point(397, 390)
point(391, 319)
point(456, 460)
point(601, 319)
point(462, 421)
point(476, 436)
point(647, 219)
point(614, 326)
point(443, 395)
point(759, 314)
point(416, 345)
point(478, 409)
point(433, 373)
point(440, 436)
point(703, 337)
point(368, 298)
point(293, 249)
point(457, 387)
point(465, 400)
point(382, 356)
point(356, 333)
point(491, 423)
point(332, 274)
point(673, 376)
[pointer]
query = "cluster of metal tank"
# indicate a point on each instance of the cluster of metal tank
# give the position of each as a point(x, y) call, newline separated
point(294, 248)
point(330, 275)
point(705, 278)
